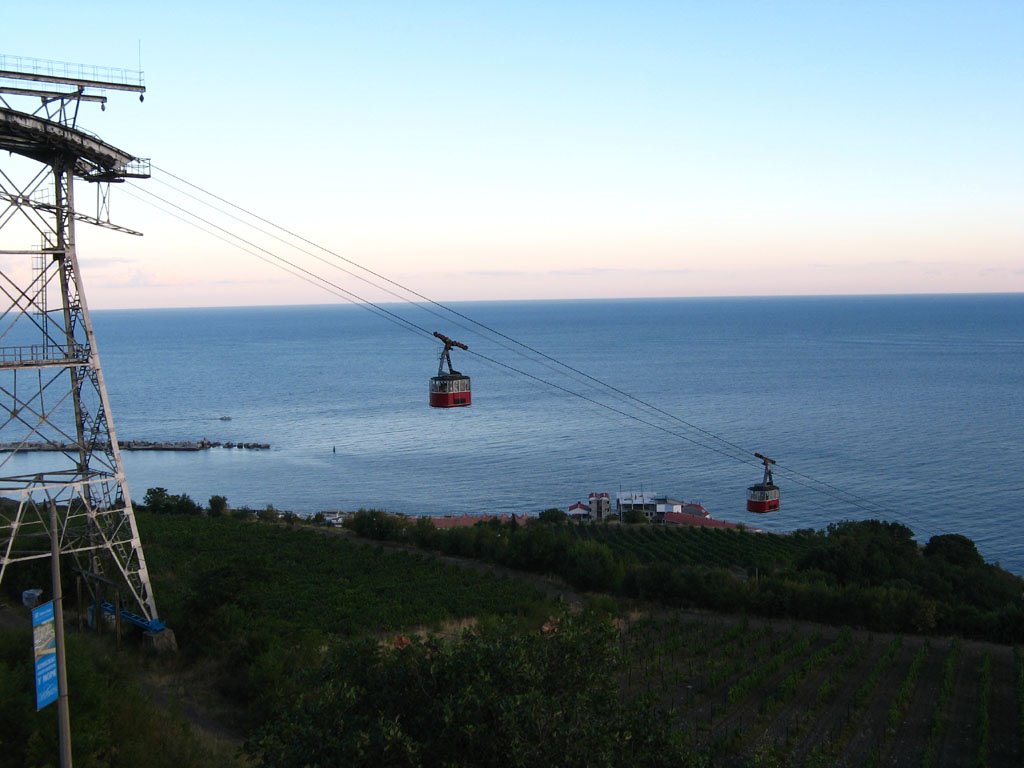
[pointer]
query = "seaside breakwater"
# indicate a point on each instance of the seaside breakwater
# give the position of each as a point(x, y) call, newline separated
point(139, 445)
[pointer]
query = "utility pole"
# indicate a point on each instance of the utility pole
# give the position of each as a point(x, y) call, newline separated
point(63, 710)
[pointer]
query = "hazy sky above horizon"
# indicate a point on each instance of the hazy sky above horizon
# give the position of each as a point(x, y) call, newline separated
point(558, 149)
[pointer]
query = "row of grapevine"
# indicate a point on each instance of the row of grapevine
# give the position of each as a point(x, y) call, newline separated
point(939, 724)
point(830, 747)
point(898, 708)
point(756, 693)
point(984, 720)
point(696, 546)
point(1018, 666)
point(776, 710)
point(844, 655)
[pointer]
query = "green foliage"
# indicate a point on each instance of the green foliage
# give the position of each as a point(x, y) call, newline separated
point(954, 549)
point(984, 727)
point(866, 573)
point(864, 553)
point(883, 582)
point(495, 696)
point(937, 727)
point(553, 515)
point(424, 534)
point(114, 722)
point(158, 500)
point(634, 516)
point(537, 548)
point(262, 599)
point(591, 565)
point(377, 524)
point(218, 505)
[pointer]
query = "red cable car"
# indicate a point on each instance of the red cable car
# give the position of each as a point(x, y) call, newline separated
point(449, 390)
point(764, 496)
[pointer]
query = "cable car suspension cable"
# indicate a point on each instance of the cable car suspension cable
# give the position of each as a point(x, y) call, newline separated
point(313, 278)
point(743, 452)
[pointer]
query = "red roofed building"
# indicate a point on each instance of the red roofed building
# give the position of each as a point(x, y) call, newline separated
point(579, 511)
point(467, 520)
point(695, 509)
point(682, 518)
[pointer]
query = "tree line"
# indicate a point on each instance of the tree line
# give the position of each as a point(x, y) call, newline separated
point(868, 573)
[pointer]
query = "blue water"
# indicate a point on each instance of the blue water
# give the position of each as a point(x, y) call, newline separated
point(907, 408)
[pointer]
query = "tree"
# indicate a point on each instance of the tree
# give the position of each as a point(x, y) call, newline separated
point(552, 515)
point(634, 516)
point(218, 505)
point(592, 565)
point(160, 501)
point(954, 549)
point(865, 553)
point(155, 499)
point(182, 504)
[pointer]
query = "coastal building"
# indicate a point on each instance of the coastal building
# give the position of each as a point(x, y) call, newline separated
point(689, 508)
point(629, 501)
point(660, 509)
point(600, 505)
point(579, 511)
point(652, 505)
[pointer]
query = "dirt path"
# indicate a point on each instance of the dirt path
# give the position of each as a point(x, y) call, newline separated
point(189, 692)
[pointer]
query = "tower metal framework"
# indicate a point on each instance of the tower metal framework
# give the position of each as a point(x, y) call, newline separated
point(58, 447)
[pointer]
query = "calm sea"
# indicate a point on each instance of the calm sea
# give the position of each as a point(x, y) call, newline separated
point(905, 408)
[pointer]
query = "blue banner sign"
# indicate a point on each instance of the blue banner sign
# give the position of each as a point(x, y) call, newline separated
point(44, 644)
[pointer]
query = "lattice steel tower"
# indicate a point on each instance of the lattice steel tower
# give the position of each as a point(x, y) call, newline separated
point(58, 448)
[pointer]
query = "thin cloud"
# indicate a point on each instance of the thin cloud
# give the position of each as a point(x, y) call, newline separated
point(581, 272)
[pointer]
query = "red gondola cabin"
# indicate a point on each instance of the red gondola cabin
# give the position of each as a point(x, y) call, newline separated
point(764, 496)
point(452, 389)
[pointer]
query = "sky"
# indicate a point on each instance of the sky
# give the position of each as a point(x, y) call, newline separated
point(537, 150)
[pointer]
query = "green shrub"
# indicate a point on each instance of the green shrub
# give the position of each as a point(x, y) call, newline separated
point(592, 565)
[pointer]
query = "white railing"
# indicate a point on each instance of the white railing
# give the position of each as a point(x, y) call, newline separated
point(46, 68)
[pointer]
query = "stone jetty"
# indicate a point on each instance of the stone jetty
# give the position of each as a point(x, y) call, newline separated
point(140, 445)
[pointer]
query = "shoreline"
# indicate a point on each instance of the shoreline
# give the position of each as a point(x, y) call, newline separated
point(136, 445)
